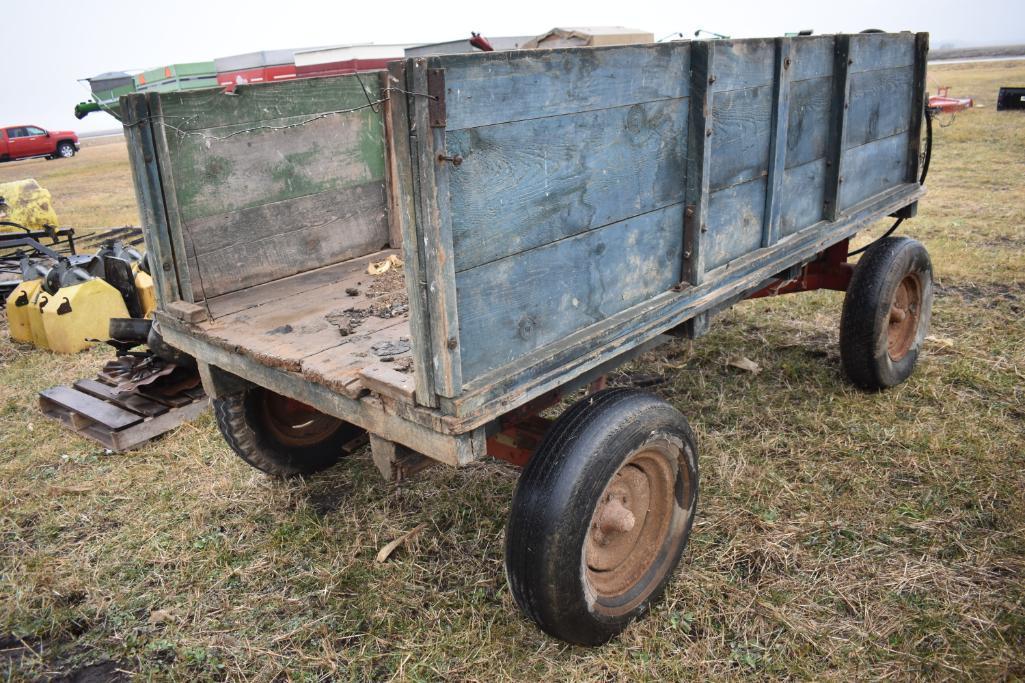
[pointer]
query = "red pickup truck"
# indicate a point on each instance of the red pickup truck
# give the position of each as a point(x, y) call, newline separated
point(22, 142)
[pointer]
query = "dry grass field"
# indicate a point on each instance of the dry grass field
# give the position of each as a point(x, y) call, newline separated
point(841, 535)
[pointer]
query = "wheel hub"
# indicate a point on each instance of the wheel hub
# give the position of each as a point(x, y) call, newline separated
point(905, 310)
point(630, 523)
point(294, 423)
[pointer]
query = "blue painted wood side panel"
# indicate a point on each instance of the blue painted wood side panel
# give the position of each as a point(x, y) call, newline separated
point(735, 217)
point(881, 51)
point(808, 126)
point(872, 168)
point(524, 184)
point(740, 136)
point(803, 189)
point(742, 63)
point(510, 307)
point(488, 88)
point(880, 104)
point(811, 57)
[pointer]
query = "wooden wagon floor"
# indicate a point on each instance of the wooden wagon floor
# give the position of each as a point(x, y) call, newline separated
point(338, 325)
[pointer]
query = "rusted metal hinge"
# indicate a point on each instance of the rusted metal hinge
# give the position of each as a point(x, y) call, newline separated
point(436, 97)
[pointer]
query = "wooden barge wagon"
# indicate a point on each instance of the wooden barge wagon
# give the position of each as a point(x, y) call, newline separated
point(555, 213)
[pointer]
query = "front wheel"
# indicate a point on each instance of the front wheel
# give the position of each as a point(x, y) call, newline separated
point(886, 313)
point(65, 150)
point(601, 515)
point(282, 436)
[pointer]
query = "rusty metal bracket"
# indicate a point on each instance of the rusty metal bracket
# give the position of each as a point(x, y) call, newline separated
point(436, 98)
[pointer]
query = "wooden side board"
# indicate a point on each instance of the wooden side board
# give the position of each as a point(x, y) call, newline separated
point(760, 141)
point(273, 180)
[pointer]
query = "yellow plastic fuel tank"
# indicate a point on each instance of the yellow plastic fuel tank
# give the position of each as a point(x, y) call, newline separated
point(147, 295)
point(28, 204)
point(19, 303)
point(80, 312)
point(35, 317)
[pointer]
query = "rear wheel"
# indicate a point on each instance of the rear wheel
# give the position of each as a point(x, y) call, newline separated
point(282, 436)
point(601, 515)
point(65, 150)
point(886, 313)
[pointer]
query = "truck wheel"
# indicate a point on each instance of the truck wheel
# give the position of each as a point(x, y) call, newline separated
point(601, 515)
point(281, 436)
point(65, 150)
point(886, 313)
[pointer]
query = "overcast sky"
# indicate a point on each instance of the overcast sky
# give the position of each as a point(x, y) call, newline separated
point(67, 40)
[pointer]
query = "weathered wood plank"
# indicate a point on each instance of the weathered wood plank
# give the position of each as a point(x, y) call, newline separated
point(880, 104)
point(392, 188)
point(741, 64)
point(802, 192)
point(918, 94)
point(384, 379)
point(509, 387)
point(106, 414)
point(149, 196)
point(873, 168)
point(808, 127)
point(187, 288)
point(266, 102)
point(736, 216)
point(276, 240)
point(778, 143)
point(219, 175)
point(497, 87)
point(434, 231)
point(412, 247)
point(698, 159)
point(837, 128)
point(870, 51)
point(317, 282)
point(525, 184)
point(555, 290)
point(811, 57)
point(741, 123)
point(339, 367)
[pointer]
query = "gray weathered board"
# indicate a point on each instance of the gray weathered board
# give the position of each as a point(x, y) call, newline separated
point(119, 421)
point(602, 197)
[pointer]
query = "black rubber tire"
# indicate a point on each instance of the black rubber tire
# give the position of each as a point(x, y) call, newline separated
point(555, 500)
point(58, 154)
point(864, 354)
point(241, 424)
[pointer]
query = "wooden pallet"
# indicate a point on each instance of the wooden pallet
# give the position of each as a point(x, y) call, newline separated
point(119, 421)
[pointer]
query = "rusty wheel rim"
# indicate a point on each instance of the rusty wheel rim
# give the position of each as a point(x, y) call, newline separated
point(905, 311)
point(630, 524)
point(294, 423)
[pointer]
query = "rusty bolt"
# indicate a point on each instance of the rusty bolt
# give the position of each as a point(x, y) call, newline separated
point(686, 254)
point(690, 211)
point(704, 227)
point(711, 80)
point(849, 62)
point(708, 133)
point(167, 267)
point(786, 63)
point(456, 160)
point(451, 344)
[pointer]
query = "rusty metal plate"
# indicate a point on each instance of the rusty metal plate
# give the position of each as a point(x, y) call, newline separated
point(436, 100)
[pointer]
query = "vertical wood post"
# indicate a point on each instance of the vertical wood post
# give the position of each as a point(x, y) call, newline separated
point(402, 167)
point(777, 144)
point(434, 230)
point(699, 133)
point(175, 228)
point(149, 196)
point(837, 128)
point(918, 85)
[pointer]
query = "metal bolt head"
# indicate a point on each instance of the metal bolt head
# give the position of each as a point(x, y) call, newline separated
point(452, 343)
